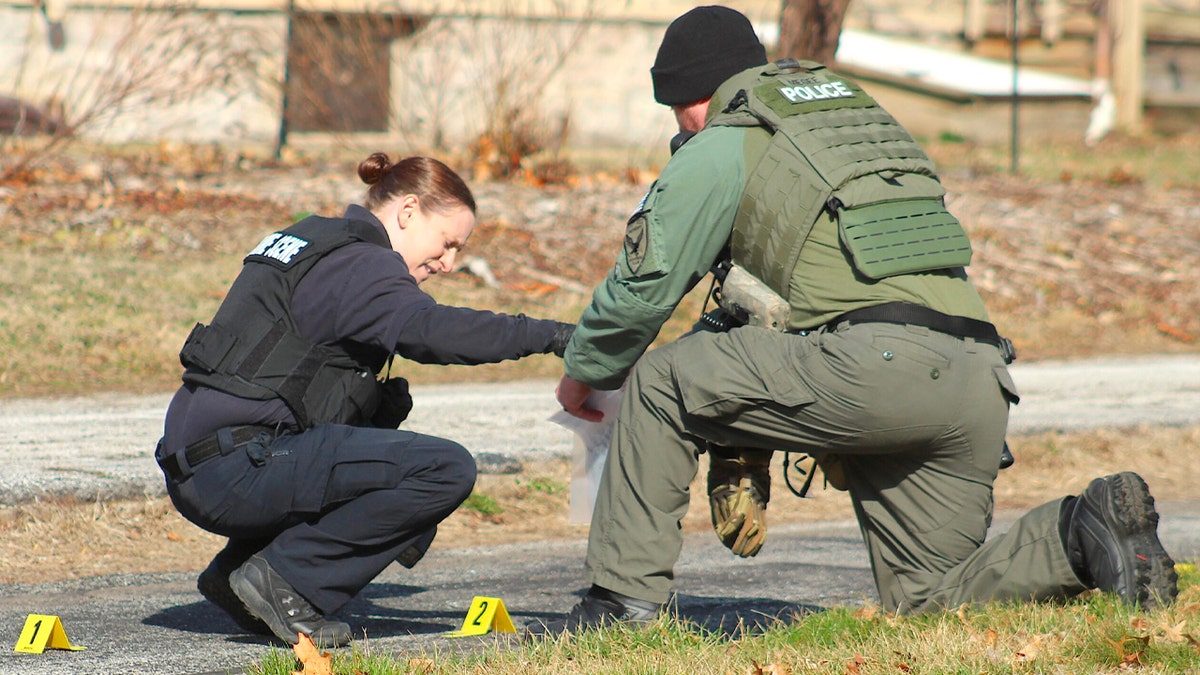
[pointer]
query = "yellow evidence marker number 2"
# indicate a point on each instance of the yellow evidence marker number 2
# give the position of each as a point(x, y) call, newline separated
point(42, 631)
point(485, 615)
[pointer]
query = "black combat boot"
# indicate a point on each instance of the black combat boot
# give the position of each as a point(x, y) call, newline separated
point(1111, 538)
point(600, 607)
point(213, 584)
point(273, 600)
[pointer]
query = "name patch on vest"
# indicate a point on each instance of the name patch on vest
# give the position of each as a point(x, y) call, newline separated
point(816, 92)
point(280, 247)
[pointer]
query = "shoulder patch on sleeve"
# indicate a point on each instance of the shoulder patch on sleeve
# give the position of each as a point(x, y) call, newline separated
point(640, 255)
point(637, 241)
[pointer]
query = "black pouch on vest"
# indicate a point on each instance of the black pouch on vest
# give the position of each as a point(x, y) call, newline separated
point(206, 347)
point(394, 404)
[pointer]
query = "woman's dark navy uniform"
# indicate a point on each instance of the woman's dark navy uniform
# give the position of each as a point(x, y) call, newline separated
point(281, 437)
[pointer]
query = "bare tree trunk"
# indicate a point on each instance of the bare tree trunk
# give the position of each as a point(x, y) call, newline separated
point(809, 29)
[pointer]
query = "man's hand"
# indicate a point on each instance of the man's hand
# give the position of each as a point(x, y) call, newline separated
point(573, 395)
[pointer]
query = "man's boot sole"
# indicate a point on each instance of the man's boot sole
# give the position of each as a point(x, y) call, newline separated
point(1129, 511)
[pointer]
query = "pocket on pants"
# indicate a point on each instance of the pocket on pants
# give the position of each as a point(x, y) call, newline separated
point(922, 353)
point(1007, 385)
point(722, 374)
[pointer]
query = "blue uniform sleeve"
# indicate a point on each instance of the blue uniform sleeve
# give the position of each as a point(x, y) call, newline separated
point(363, 293)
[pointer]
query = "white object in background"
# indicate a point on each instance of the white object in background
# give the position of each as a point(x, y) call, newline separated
point(1104, 114)
point(480, 268)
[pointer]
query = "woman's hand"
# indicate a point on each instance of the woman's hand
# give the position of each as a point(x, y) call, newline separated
point(573, 395)
point(562, 336)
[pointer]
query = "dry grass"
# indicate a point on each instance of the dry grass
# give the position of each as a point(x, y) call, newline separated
point(112, 258)
point(109, 258)
point(53, 541)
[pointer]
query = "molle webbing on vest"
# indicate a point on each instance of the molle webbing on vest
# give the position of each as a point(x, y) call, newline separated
point(262, 361)
point(776, 192)
point(849, 143)
point(832, 143)
point(252, 348)
point(899, 237)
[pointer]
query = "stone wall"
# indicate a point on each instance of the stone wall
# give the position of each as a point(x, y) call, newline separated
point(129, 75)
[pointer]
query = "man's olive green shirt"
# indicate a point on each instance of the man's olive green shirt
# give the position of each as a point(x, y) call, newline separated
point(681, 228)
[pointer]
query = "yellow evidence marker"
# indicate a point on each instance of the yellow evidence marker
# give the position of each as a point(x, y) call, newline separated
point(42, 631)
point(484, 616)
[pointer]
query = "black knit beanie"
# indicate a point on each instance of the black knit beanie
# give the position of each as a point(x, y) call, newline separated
point(702, 49)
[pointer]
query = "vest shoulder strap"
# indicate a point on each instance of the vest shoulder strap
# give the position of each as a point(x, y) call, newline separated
point(312, 238)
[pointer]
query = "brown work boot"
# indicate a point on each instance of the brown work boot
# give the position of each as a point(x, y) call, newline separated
point(739, 487)
point(1110, 533)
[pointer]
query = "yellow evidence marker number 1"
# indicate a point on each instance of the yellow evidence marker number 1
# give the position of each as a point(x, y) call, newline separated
point(42, 631)
point(485, 615)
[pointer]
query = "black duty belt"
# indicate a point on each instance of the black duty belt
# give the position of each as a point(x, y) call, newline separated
point(178, 466)
point(917, 315)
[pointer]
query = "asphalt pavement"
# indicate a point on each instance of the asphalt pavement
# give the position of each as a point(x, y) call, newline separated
point(99, 447)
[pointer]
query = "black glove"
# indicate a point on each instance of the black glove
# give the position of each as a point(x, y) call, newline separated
point(394, 404)
point(562, 335)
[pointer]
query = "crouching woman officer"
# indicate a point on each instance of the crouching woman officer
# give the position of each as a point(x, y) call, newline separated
point(282, 438)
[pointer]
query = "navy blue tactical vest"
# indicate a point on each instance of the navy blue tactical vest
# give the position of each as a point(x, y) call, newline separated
point(252, 348)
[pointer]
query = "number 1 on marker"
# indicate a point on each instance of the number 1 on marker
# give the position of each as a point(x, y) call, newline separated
point(34, 640)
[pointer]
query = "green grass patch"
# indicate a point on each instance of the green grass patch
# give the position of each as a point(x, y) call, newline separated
point(1093, 633)
point(482, 504)
point(543, 485)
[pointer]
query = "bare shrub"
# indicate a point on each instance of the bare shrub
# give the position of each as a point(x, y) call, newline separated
point(512, 61)
point(162, 56)
point(458, 73)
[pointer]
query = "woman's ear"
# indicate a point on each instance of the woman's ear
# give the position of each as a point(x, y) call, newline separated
point(408, 205)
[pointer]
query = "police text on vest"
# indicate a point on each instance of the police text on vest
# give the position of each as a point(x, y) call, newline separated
point(816, 92)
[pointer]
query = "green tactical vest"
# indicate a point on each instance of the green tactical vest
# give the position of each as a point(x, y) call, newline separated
point(252, 348)
point(833, 147)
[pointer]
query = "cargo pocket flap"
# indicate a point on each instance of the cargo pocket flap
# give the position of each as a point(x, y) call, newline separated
point(1007, 384)
point(730, 389)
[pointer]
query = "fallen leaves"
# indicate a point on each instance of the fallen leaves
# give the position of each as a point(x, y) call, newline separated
point(1119, 248)
point(421, 666)
point(1130, 649)
point(769, 669)
point(1030, 651)
point(313, 660)
point(1176, 333)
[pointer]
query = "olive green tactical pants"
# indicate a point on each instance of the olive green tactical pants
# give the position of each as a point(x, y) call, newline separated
point(918, 419)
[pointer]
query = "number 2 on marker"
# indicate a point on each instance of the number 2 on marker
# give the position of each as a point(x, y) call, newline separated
point(483, 606)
